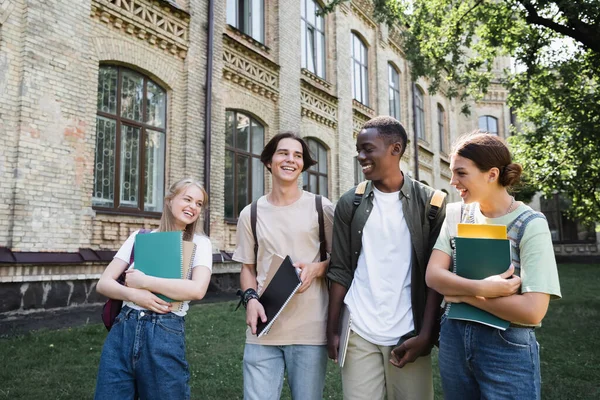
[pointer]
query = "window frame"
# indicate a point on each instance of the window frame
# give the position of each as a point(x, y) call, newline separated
point(143, 126)
point(236, 151)
point(362, 67)
point(555, 214)
point(305, 26)
point(441, 123)
point(314, 170)
point(487, 124)
point(243, 11)
point(396, 90)
point(419, 99)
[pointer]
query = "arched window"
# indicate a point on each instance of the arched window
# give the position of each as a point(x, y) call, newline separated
point(315, 178)
point(129, 168)
point(488, 124)
point(441, 123)
point(394, 91)
point(360, 71)
point(313, 37)
point(248, 16)
point(244, 172)
point(420, 112)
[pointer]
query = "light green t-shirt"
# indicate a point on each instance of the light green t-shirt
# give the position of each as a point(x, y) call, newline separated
point(538, 265)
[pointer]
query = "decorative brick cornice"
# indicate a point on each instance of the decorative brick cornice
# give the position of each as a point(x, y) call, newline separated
point(358, 121)
point(494, 96)
point(445, 169)
point(395, 41)
point(361, 108)
point(425, 158)
point(250, 69)
point(315, 80)
point(318, 105)
point(358, 11)
point(238, 35)
point(154, 21)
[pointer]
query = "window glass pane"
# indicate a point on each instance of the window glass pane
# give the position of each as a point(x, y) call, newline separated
point(241, 185)
point(107, 89)
point(130, 161)
point(363, 54)
point(104, 167)
point(321, 55)
point(323, 185)
point(365, 87)
point(312, 183)
point(353, 74)
point(305, 181)
point(155, 167)
point(357, 85)
point(355, 47)
point(229, 184)
point(493, 125)
point(155, 105)
point(314, 152)
point(258, 138)
point(483, 124)
point(258, 177)
point(257, 20)
point(229, 126)
point(310, 12)
point(303, 43)
point(322, 159)
point(319, 18)
point(132, 90)
point(242, 141)
point(310, 54)
point(232, 12)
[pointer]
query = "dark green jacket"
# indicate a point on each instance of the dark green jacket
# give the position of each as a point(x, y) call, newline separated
point(347, 237)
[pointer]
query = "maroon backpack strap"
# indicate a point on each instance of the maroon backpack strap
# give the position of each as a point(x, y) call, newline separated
point(121, 278)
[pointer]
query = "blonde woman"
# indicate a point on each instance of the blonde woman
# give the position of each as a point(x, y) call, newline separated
point(144, 352)
point(477, 361)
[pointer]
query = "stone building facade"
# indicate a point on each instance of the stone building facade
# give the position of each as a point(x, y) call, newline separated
point(103, 104)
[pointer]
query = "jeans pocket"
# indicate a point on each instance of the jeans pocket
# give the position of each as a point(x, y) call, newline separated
point(172, 325)
point(520, 337)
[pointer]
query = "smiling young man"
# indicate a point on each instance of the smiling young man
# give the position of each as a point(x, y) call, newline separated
point(287, 224)
point(380, 251)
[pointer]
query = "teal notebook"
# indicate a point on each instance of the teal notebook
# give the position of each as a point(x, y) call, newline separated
point(476, 258)
point(160, 254)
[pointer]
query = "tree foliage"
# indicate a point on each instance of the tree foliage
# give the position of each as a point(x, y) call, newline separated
point(554, 89)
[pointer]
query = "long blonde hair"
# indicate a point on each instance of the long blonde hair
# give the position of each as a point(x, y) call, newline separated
point(167, 220)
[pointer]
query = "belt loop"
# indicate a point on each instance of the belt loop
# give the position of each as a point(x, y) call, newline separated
point(129, 311)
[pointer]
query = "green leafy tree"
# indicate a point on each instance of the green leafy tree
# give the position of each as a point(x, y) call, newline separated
point(554, 89)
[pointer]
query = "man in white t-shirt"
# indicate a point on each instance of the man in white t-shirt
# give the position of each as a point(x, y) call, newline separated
point(287, 224)
point(382, 241)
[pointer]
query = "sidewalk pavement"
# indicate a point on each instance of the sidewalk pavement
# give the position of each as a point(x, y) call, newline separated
point(59, 318)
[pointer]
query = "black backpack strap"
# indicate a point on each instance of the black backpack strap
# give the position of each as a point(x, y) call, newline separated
point(319, 205)
point(253, 216)
point(435, 203)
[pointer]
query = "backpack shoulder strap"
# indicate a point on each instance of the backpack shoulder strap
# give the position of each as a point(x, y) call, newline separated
point(253, 216)
point(520, 223)
point(319, 206)
point(359, 191)
point(436, 203)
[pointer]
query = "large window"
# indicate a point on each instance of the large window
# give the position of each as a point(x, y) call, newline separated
point(248, 16)
point(441, 123)
point(360, 76)
point(394, 91)
point(313, 38)
point(315, 178)
point(129, 166)
point(244, 173)
point(419, 113)
point(562, 228)
point(489, 124)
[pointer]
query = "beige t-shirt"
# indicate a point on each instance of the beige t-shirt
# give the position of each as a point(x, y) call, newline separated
point(291, 230)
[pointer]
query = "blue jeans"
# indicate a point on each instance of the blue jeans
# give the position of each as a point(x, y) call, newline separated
point(264, 367)
point(480, 362)
point(144, 355)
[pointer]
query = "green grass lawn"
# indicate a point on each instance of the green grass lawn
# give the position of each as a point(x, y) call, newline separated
point(63, 364)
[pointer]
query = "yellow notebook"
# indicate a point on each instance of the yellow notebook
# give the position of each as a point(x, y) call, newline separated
point(482, 231)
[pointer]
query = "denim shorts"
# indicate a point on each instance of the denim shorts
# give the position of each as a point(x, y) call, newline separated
point(144, 355)
point(480, 362)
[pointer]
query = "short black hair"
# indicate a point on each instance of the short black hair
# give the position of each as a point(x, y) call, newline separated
point(390, 129)
point(267, 154)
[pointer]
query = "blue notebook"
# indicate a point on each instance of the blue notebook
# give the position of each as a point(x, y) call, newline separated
point(160, 254)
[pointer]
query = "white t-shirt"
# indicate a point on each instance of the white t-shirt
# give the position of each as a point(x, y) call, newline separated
point(379, 298)
point(203, 257)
